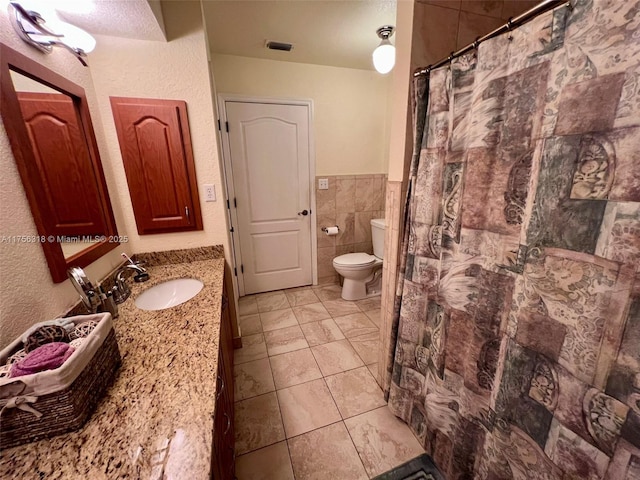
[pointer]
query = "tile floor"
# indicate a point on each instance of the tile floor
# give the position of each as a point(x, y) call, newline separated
point(307, 403)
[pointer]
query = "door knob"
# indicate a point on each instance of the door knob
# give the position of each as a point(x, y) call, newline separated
point(304, 213)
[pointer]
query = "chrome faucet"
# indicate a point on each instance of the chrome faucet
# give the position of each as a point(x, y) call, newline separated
point(121, 290)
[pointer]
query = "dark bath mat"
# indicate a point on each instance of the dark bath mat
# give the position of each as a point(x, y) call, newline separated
point(420, 468)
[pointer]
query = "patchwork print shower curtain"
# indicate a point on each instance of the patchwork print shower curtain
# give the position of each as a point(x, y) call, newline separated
point(518, 349)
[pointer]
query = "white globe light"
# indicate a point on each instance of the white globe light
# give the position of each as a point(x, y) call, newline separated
point(384, 57)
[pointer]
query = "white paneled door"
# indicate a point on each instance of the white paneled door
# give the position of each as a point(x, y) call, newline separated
point(270, 162)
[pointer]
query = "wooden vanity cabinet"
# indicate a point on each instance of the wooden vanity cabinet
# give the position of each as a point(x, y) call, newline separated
point(223, 458)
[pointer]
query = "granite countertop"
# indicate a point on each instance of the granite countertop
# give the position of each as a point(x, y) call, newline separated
point(156, 420)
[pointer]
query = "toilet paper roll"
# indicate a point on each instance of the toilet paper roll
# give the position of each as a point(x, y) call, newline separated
point(330, 231)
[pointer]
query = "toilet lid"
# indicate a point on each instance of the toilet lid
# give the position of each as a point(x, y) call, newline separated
point(355, 259)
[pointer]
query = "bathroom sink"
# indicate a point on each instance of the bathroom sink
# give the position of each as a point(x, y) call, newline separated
point(168, 294)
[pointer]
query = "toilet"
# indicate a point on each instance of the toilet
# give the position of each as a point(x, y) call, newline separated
point(362, 273)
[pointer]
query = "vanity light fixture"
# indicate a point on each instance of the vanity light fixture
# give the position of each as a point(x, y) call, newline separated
point(44, 35)
point(384, 56)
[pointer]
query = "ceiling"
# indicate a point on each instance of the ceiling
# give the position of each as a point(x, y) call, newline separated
point(340, 33)
point(139, 19)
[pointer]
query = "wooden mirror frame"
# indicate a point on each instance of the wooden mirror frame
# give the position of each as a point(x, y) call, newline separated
point(27, 165)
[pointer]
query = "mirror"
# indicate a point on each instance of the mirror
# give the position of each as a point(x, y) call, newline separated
point(62, 156)
point(47, 120)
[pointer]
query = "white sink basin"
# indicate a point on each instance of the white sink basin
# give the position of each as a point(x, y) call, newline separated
point(168, 294)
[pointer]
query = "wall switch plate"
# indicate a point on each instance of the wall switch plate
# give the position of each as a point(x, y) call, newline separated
point(323, 184)
point(209, 193)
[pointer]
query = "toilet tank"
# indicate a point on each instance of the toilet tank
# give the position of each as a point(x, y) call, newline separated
point(377, 236)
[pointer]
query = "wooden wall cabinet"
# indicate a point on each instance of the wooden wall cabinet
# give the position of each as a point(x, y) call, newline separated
point(223, 458)
point(158, 159)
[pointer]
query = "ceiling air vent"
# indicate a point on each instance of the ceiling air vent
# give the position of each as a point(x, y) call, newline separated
point(284, 47)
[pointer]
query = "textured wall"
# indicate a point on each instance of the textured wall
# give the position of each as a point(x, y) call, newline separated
point(174, 70)
point(350, 202)
point(27, 293)
point(350, 122)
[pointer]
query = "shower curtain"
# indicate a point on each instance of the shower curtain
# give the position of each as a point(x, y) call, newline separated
point(518, 307)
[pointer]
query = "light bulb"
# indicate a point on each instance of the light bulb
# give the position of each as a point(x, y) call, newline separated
point(384, 57)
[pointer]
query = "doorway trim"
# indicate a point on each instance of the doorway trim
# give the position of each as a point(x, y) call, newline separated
point(227, 173)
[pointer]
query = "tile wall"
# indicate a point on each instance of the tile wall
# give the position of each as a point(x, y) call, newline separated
point(350, 202)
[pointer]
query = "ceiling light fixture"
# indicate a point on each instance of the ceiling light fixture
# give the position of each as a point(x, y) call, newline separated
point(44, 35)
point(384, 56)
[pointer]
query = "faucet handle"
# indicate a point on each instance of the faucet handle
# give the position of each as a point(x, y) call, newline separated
point(139, 263)
point(128, 258)
point(120, 292)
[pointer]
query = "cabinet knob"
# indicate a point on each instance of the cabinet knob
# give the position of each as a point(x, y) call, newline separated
point(225, 302)
point(220, 389)
point(228, 427)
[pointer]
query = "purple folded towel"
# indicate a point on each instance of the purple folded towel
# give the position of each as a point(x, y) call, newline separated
point(46, 357)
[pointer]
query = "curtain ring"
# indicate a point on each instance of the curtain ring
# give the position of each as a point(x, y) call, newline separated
point(451, 57)
point(476, 43)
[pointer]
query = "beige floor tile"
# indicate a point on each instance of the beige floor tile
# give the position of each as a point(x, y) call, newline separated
point(313, 312)
point(285, 340)
point(374, 316)
point(268, 463)
point(294, 368)
point(339, 307)
point(321, 332)
point(250, 324)
point(301, 297)
point(278, 319)
point(336, 357)
point(373, 368)
point(382, 440)
point(326, 453)
point(329, 292)
point(272, 301)
point(355, 324)
point(355, 392)
point(252, 379)
point(306, 407)
point(253, 348)
point(257, 423)
point(370, 303)
point(247, 305)
point(367, 346)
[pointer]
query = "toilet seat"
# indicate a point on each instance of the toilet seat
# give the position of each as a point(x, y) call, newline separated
point(354, 260)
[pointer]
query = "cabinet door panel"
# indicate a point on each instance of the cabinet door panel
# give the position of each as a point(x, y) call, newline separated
point(62, 156)
point(223, 459)
point(218, 463)
point(158, 159)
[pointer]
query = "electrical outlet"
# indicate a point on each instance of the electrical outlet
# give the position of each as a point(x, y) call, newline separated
point(323, 184)
point(209, 193)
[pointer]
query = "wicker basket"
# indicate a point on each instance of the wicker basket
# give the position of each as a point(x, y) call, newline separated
point(67, 409)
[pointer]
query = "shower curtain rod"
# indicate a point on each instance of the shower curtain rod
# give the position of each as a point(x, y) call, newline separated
point(533, 12)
